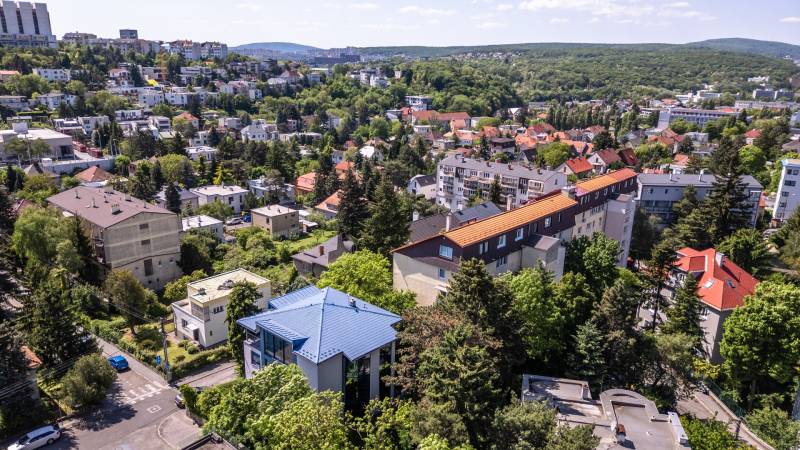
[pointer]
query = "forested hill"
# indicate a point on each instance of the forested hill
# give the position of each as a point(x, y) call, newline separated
point(738, 45)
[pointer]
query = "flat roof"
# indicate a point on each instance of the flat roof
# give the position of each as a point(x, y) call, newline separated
point(97, 205)
point(273, 210)
point(219, 190)
point(215, 286)
point(684, 179)
point(198, 221)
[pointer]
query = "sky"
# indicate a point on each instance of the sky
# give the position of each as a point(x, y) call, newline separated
point(339, 23)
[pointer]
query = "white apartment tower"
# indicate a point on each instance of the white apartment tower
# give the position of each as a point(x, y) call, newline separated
point(25, 24)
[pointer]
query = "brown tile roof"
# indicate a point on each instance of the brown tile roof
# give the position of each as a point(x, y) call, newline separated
point(604, 181)
point(579, 165)
point(94, 205)
point(306, 182)
point(93, 174)
point(501, 223)
point(628, 156)
point(609, 156)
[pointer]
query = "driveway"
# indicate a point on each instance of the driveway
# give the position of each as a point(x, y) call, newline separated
point(139, 413)
point(212, 375)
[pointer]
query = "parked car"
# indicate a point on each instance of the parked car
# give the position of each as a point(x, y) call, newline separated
point(37, 438)
point(234, 221)
point(118, 362)
point(180, 402)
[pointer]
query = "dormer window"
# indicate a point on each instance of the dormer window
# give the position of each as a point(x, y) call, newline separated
point(501, 241)
point(520, 234)
point(446, 252)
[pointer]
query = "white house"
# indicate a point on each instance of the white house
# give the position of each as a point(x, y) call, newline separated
point(62, 75)
point(203, 222)
point(423, 185)
point(200, 317)
point(370, 151)
point(232, 196)
point(208, 153)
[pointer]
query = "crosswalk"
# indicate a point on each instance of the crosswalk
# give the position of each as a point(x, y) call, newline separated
point(131, 396)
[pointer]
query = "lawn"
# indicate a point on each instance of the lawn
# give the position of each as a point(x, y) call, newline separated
point(317, 237)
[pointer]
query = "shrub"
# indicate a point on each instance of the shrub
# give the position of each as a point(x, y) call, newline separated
point(189, 397)
point(206, 357)
point(192, 349)
point(180, 359)
point(88, 381)
point(183, 343)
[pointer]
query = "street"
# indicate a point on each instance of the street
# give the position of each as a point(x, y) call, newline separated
point(139, 413)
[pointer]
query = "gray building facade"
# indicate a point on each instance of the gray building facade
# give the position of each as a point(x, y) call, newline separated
point(25, 24)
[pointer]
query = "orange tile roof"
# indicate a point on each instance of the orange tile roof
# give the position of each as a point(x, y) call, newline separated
point(93, 174)
point(722, 286)
point(501, 223)
point(579, 165)
point(33, 360)
point(306, 182)
point(604, 181)
point(754, 133)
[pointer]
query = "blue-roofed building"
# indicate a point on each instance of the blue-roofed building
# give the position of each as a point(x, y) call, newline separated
point(342, 343)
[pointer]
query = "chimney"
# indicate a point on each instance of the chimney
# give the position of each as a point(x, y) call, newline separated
point(77, 195)
point(94, 204)
point(700, 176)
point(321, 250)
point(127, 197)
point(719, 258)
point(670, 175)
point(508, 203)
point(448, 222)
point(114, 208)
point(415, 216)
point(569, 191)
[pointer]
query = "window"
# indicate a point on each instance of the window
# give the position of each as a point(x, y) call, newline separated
point(501, 241)
point(148, 267)
point(146, 242)
point(255, 360)
point(144, 226)
point(547, 222)
point(184, 323)
point(558, 219)
point(442, 274)
point(446, 252)
point(277, 348)
point(535, 227)
point(520, 234)
point(483, 247)
point(790, 183)
point(704, 312)
point(218, 309)
point(501, 262)
point(784, 193)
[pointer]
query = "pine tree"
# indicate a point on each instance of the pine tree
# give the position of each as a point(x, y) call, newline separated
point(496, 192)
point(727, 204)
point(353, 208)
point(11, 178)
point(157, 176)
point(7, 216)
point(587, 362)
point(323, 182)
point(683, 316)
point(686, 204)
point(173, 198)
point(188, 179)
point(212, 171)
point(90, 272)
point(387, 226)
point(17, 408)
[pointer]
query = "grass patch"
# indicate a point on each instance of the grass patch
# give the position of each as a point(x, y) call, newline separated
point(315, 238)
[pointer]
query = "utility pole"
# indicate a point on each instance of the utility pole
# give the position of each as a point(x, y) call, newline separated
point(167, 373)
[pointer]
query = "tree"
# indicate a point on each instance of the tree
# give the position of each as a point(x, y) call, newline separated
point(176, 290)
point(385, 425)
point(460, 374)
point(17, 408)
point(325, 178)
point(686, 204)
point(555, 154)
point(387, 226)
point(88, 381)
point(44, 240)
point(216, 209)
point(761, 340)
point(603, 140)
point(753, 159)
point(352, 207)
point(309, 423)
point(595, 257)
point(727, 204)
point(543, 319)
point(776, 427)
point(51, 321)
point(173, 198)
point(587, 362)
point(242, 304)
point(496, 192)
point(127, 294)
point(683, 316)
point(747, 249)
point(533, 425)
point(645, 234)
point(197, 252)
point(489, 306)
point(367, 276)
point(157, 176)
point(708, 434)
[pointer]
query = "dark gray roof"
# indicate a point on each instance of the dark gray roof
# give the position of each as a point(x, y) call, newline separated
point(432, 225)
point(312, 255)
point(425, 180)
point(707, 179)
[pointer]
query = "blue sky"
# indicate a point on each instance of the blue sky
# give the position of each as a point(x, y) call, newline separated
point(337, 23)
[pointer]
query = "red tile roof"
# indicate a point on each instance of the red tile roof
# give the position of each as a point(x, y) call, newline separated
point(579, 165)
point(754, 133)
point(608, 156)
point(628, 156)
point(186, 116)
point(721, 283)
point(93, 174)
point(306, 182)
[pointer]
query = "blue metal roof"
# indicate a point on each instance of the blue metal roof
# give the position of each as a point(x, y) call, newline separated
point(323, 323)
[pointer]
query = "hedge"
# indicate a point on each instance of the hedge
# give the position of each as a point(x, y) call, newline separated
point(206, 357)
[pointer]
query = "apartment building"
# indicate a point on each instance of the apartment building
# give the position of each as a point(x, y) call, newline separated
point(61, 75)
point(60, 143)
point(127, 233)
point(280, 221)
point(232, 196)
point(529, 236)
point(25, 24)
point(201, 316)
point(698, 117)
point(14, 102)
point(658, 192)
point(419, 102)
point(788, 197)
point(460, 178)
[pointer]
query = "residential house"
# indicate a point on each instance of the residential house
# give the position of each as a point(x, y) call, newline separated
point(94, 176)
point(14, 102)
point(698, 117)
point(189, 118)
point(329, 207)
point(189, 200)
point(201, 316)
point(371, 152)
point(203, 151)
point(272, 189)
point(580, 167)
point(206, 223)
point(232, 196)
point(419, 102)
point(424, 185)
point(161, 123)
point(658, 192)
point(341, 343)
point(53, 75)
point(528, 236)
point(426, 227)
point(721, 286)
point(604, 160)
point(259, 132)
point(280, 221)
point(788, 197)
point(60, 144)
point(315, 260)
point(127, 233)
point(460, 178)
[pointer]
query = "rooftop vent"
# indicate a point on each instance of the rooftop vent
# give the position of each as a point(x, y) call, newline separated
point(201, 291)
point(115, 208)
point(227, 284)
point(351, 301)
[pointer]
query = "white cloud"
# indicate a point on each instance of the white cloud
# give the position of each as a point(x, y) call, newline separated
point(559, 20)
point(593, 20)
point(505, 7)
point(602, 8)
point(388, 27)
point(366, 6)
point(249, 6)
point(488, 25)
point(413, 9)
point(433, 21)
point(677, 5)
point(791, 19)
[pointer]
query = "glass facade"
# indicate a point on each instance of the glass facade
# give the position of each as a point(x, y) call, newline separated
point(356, 384)
point(277, 349)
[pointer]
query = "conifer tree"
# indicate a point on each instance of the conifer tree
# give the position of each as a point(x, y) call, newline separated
point(496, 192)
point(684, 314)
point(727, 204)
point(387, 226)
point(157, 176)
point(173, 198)
point(352, 207)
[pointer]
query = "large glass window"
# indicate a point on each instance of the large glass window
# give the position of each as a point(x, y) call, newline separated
point(277, 349)
point(356, 384)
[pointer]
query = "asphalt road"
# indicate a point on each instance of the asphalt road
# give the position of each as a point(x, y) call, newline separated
point(139, 413)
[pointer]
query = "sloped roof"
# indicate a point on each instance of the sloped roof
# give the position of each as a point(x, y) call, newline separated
point(94, 205)
point(628, 156)
point(323, 323)
point(93, 174)
point(603, 181)
point(507, 221)
point(579, 165)
point(722, 284)
point(430, 226)
point(608, 156)
point(306, 181)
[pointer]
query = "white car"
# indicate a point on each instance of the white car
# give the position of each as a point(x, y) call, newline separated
point(37, 438)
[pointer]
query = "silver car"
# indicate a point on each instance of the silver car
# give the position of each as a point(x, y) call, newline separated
point(37, 438)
